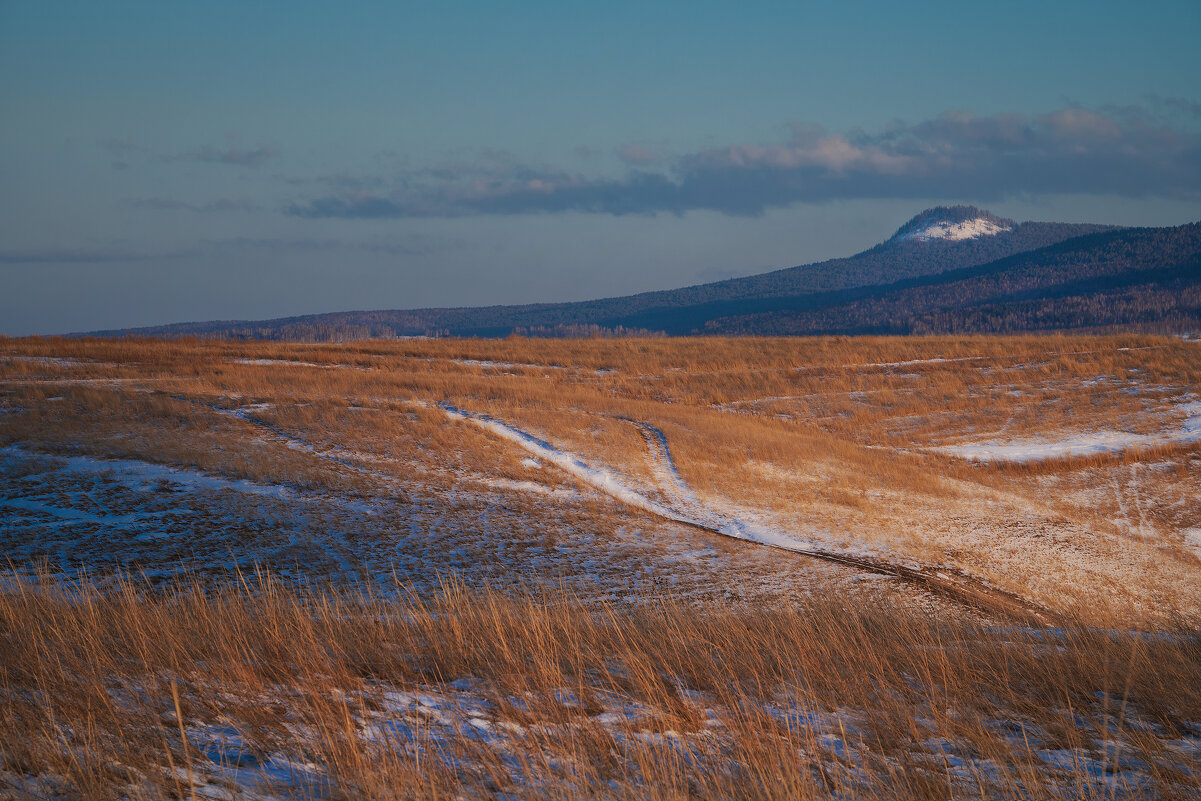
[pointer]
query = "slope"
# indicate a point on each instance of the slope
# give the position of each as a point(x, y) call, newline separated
point(933, 242)
point(1145, 279)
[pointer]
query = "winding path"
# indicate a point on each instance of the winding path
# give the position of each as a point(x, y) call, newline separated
point(685, 507)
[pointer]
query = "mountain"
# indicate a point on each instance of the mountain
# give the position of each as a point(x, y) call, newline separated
point(1146, 279)
point(954, 268)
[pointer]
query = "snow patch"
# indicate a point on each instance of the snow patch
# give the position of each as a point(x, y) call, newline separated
point(52, 361)
point(968, 229)
point(142, 475)
point(603, 480)
point(489, 363)
point(685, 506)
point(683, 498)
point(1084, 444)
point(283, 362)
point(918, 361)
point(525, 486)
point(1192, 538)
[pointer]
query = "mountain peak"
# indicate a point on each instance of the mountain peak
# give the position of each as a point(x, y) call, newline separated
point(952, 223)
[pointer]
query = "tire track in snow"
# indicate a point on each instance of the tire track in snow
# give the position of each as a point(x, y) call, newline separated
point(944, 581)
point(603, 480)
point(246, 415)
point(289, 440)
point(663, 466)
point(953, 584)
point(693, 512)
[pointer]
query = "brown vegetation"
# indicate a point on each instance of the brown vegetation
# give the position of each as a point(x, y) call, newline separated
point(835, 439)
point(192, 692)
point(759, 675)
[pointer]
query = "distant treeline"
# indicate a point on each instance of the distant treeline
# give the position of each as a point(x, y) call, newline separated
point(585, 332)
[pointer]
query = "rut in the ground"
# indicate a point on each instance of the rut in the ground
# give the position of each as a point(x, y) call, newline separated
point(942, 580)
point(684, 506)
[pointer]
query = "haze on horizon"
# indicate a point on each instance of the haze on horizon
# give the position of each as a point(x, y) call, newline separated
point(162, 162)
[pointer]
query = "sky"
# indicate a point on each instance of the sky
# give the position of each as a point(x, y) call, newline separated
point(169, 162)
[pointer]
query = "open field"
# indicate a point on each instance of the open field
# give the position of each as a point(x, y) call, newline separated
point(747, 568)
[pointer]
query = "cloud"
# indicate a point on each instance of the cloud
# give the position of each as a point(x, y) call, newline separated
point(415, 244)
point(1132, 152)
point(121, 150)
point(171, 204)
point(1184, 106)
point(68, 256)
point(358, 206)
point(412, 245)
point(239, 157)
point(639, 155)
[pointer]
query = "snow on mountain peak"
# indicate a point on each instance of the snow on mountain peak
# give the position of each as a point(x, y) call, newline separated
point(953, 223)
point(968, 229)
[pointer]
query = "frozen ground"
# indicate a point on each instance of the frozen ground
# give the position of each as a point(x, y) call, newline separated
point(1036, 449)
point(73, 513)
point(489, 739)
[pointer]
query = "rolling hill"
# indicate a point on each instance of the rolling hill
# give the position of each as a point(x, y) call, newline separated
point(949, 269)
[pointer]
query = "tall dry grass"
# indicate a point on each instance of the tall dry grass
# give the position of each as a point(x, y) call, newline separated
point(115, 694)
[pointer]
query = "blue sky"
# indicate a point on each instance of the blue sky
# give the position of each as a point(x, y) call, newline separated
point(162, 162)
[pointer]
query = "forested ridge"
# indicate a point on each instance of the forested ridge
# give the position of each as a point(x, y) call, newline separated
point(1030, 276)
point(1139, 279)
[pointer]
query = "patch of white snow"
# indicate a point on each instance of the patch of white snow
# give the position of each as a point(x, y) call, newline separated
point(1192, 538)
point(968, 229)
point(1084, 444)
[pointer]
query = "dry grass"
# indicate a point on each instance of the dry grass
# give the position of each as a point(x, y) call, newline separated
point(761, 675)
point(825, 437)
point(118, 694)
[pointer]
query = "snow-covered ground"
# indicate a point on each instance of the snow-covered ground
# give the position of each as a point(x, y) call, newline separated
point(462, 725)
point(281, 362)
point(146, 476)
point(79, 512)
point(683, 505)
point(376, 480)
point(506, 365)
point(73, 512)
point(909, 362)
point(1192, 538)
point(294, 363)
point(1035, 449)
point(606, 481)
